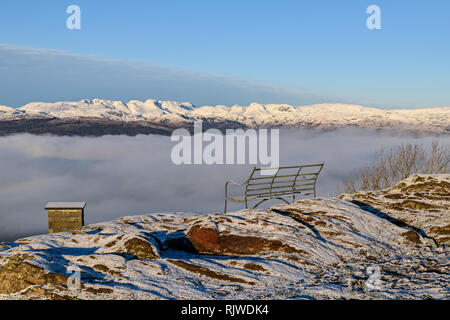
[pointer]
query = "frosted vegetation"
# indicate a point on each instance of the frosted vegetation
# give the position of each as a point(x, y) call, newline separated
point(398, 163)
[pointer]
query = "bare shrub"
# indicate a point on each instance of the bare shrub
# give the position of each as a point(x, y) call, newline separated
point(399, 163)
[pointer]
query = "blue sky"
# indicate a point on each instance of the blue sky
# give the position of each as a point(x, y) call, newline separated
point(227, 52)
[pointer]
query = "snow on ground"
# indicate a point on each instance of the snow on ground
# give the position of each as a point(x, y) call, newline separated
point(329, 116)
point(408, 200)
point(324, 248)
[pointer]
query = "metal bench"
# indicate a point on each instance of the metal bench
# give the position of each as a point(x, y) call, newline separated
point(286, 182)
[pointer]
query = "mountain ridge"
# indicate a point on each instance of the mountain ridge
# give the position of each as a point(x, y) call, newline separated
point(255, 115)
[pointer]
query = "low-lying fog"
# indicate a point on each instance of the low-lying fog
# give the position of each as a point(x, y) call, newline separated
point(120, 175)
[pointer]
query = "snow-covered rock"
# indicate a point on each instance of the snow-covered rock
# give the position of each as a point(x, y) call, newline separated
point(421, 201)
point(324, 248)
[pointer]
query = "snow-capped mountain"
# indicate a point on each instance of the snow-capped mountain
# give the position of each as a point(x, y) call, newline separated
point(105, 109)
point(326, 116)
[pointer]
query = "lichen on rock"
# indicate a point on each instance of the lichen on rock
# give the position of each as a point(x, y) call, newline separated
point(18, 274)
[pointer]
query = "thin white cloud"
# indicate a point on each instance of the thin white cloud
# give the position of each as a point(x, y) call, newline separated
point(31, 74)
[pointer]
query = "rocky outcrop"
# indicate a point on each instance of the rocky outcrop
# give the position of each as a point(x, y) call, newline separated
point(324, 248)
point(17, 274)
point(95, 252)
point(141, 249)
point(209, 240)
point(421, 203)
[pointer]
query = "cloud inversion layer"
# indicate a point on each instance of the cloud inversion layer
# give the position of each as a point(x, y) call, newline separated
point(119, 175)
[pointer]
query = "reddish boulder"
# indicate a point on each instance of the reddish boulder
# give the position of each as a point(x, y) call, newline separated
point(207, 239)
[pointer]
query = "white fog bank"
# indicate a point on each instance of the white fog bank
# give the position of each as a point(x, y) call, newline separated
point(120, 175)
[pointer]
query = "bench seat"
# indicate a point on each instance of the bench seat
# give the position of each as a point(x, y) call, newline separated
point(284, 182)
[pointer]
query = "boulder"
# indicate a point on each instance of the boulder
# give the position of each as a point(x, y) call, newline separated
point(140, 248)
point(420, 202)
point(18, 274)
point(206, 238)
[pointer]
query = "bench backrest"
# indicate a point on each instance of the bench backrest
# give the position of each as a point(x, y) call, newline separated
point(286, 181)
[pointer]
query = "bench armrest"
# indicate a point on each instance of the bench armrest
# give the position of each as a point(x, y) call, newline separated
point(234, 183)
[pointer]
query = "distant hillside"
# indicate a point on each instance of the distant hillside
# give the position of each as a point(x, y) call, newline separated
point(99, 117)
